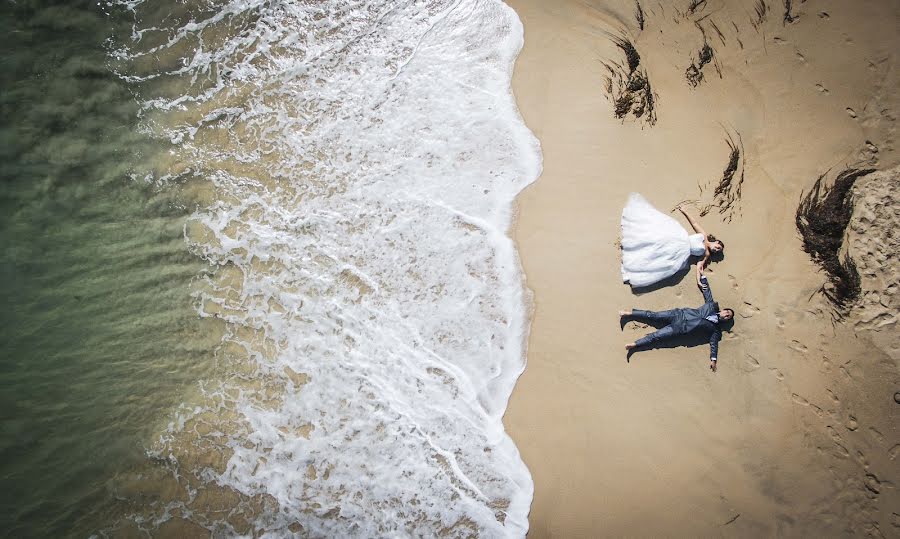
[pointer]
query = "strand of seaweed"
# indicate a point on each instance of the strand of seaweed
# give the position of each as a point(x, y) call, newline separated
point(639, 14)
point(822, 218)
point(693, 8)
point(761, 13)
point(628, 85)
point(727, 193)
point(718, 33)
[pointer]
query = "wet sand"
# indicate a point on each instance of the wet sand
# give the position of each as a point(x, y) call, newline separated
point(797, 433)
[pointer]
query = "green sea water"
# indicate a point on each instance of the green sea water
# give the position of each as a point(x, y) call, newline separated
point(99, 334)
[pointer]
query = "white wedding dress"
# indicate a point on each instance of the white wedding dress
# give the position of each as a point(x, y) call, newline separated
point(654, 245)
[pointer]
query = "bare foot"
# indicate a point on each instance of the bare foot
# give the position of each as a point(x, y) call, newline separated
point(630, 345)
point(624, 313)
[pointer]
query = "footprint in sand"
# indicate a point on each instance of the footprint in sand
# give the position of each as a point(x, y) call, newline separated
point(733, 281)
point(820, 413)
point(834, 398)
point(778, 374)
point(840, 451)
point(851, 112)
point(852, 424)
point(822, 90)
point(752, 363)
point(869, 152)
point(800, 56)
point(799, 347)
point(824, 15)
point(872, 483)
point(799, 400)
point(748, 310)
point(845, 371)
point(894, 451)
point(876, 435)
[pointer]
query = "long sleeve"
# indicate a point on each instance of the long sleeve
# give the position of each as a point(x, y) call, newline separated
point(707, 291)
point(714, 344)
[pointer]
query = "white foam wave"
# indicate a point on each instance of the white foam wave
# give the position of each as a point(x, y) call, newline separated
point(365, 157)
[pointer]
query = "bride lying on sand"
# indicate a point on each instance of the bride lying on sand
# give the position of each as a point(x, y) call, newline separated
point(655, 246)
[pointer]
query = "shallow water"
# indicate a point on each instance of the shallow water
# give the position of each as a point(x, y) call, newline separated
point(100, 336)
point(347, 171)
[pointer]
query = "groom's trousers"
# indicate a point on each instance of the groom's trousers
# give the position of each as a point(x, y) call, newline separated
point(656, 316)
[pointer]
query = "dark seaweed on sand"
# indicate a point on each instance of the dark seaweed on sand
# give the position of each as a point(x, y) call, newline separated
point(695, 6)
point(761, 14)
point(629, 87)
point(822, 218)
point(724, 187)
point(639, 15)
point(718, 31)
point(788, 18)
point(694, 73)
point(728, 191)
point(631, 54)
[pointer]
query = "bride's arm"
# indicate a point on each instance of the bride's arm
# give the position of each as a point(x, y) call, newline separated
point(694, 224)
point(701, 267)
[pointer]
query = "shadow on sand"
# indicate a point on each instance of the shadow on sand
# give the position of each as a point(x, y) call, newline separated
point(695, 338)
point(676, 279)
point(668, 281)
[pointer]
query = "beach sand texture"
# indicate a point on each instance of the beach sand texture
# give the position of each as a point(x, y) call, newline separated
point(797, 433)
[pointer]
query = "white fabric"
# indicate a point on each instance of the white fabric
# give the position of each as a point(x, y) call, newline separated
point(654, 245)
point(698, 246)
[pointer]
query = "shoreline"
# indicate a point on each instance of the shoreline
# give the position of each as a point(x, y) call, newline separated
point(660, 445)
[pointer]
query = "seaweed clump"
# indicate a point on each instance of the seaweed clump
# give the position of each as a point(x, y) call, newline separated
point(822, 219)
point(788, 17)
point(728, 191)
point(761, 12)
point(629, 87)
point(694, 73)
point(696, 5)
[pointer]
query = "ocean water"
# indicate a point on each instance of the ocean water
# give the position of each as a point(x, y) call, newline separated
point(344, 176)
point(99, 332)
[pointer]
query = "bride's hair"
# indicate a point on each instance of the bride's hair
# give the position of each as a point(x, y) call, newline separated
point(713, 239)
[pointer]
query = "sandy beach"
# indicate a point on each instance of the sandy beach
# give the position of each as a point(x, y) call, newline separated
point(273, 269)
point(797, 433)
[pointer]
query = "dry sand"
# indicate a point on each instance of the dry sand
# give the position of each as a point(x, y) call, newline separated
point(797, 433)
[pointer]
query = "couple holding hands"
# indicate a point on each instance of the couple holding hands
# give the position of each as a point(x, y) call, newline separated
point(655, 247)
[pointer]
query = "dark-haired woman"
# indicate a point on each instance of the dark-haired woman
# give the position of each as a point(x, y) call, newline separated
point(655, 246)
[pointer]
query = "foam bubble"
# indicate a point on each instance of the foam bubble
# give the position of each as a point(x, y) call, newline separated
point(364, 158)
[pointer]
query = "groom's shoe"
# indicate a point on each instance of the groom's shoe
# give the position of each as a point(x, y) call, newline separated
point(623, 319)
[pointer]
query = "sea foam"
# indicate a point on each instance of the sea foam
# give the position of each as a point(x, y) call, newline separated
point(361, 160)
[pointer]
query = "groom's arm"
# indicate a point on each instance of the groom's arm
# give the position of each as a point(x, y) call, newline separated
point(714, 346)
point(704, 287)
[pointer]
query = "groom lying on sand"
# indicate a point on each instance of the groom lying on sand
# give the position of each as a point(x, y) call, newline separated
point(707, 318)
